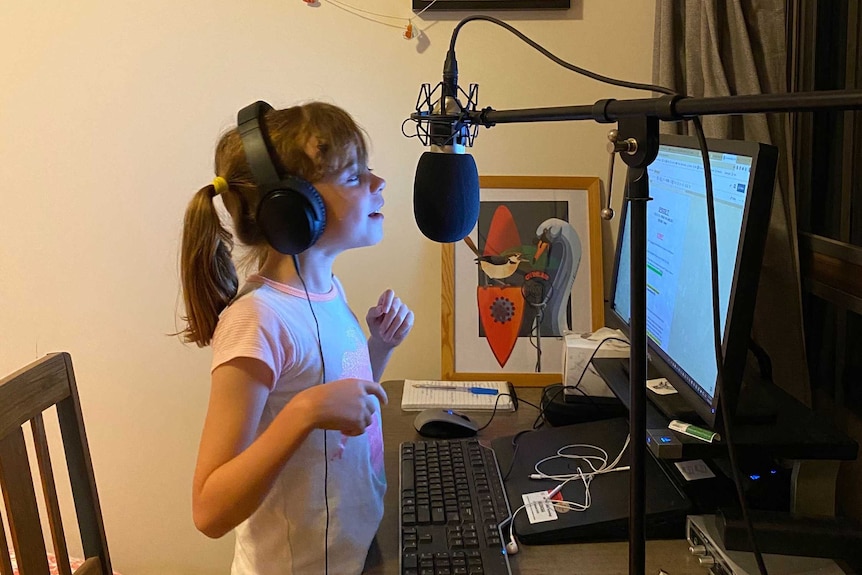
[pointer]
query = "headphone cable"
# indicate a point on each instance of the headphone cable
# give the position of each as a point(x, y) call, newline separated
point(325, 452)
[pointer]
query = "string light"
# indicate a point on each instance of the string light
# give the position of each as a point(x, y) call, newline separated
point(409, 30)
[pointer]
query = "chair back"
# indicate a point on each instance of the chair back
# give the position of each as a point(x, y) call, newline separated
point(24, 396)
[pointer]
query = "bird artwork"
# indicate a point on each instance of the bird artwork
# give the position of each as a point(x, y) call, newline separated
point(496, 268)
point(558, 255)
point(524, 288)
point(500, 303)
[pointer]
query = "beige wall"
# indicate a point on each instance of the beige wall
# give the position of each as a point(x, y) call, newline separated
point(109, 112)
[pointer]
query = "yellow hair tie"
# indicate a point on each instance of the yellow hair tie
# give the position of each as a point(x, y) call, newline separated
point(220, 185)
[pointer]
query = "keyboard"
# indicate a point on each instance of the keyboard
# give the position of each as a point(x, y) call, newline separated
point(451, 504)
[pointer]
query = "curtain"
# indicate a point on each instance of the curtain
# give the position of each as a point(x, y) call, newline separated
point(734, 47)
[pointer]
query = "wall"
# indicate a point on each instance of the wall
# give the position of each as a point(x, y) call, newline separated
point(109, 112)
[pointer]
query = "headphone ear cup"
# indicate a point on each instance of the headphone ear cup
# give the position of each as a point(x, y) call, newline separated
point(292, 216)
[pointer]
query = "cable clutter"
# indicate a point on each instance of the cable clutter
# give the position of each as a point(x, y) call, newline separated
point(586, 478)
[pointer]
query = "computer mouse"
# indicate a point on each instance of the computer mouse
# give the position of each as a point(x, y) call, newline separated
point(444, 424)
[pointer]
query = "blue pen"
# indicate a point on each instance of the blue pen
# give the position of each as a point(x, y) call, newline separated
point(474, 390)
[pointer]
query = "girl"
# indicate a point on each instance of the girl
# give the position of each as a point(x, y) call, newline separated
point(295, 467)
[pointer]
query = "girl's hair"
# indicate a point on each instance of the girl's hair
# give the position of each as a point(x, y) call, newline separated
point(209, 277)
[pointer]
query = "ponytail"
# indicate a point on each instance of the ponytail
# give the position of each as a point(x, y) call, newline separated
point(209, 278)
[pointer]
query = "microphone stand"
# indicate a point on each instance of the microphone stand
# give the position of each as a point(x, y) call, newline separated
point(638, 122)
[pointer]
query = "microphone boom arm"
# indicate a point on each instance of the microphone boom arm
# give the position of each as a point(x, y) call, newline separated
point(673, 108)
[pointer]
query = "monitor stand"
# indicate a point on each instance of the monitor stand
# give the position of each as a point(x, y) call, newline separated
point(672, 406)
point(755, 405)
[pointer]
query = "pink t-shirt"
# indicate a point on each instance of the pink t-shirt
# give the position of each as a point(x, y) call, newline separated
point(273, 322)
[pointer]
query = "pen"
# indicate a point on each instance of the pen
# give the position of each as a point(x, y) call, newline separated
point(474, 390)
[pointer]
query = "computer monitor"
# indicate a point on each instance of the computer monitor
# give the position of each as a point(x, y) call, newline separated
point(679, 294)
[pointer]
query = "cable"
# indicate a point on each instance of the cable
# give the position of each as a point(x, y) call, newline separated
point(604, 468)
point(557, 60)
point(325, 450)
point(590, 360)
point(515, 446)
point(497, 402)
point(719, 354)
point(586, 478)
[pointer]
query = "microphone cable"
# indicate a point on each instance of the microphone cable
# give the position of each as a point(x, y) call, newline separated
point(544, 51)
point(325, 454)
point(719, 352)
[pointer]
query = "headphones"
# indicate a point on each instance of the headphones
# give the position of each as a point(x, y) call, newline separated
point(290, 211)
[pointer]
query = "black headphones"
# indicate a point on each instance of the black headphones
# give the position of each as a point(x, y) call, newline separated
point(290, 211)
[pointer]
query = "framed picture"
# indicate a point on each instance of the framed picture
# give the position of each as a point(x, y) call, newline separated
point(528, 273)
point(491, 5)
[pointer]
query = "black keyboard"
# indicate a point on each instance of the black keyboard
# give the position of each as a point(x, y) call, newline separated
point(451, 503)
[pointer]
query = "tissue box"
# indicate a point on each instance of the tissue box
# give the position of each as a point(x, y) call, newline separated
point(576, 353)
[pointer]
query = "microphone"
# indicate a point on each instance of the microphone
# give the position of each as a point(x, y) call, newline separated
point(446, 185)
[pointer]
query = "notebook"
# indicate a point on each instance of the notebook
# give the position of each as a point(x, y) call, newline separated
point(416, 398)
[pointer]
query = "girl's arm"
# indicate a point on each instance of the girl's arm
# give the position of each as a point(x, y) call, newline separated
point(389, 323)
point(235, 470)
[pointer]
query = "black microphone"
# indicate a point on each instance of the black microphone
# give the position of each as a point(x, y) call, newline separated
point(446, 186)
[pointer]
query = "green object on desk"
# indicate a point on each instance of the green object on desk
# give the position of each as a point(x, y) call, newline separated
point(473, 390)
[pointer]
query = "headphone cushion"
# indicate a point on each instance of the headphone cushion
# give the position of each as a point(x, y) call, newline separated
point(292, 216)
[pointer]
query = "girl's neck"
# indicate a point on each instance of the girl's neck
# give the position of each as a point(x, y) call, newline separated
point(316, 270)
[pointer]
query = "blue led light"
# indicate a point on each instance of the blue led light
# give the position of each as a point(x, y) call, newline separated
point(755, 477)
point(665, 439)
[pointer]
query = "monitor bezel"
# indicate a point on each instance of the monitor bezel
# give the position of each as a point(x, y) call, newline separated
point(746, 277)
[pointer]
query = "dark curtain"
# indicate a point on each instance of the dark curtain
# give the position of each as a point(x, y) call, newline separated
point(733, 47)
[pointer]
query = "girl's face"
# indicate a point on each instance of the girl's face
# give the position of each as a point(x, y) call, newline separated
point(353, 202)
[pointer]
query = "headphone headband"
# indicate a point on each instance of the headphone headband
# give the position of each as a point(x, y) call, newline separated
point(255, 145)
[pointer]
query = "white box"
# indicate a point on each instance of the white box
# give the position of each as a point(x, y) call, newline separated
point(576, 355)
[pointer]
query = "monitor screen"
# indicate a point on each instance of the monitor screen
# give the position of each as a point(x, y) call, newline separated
point(679, 300)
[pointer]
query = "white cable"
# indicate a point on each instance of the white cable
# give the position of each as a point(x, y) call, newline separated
point(603, 458)
point(512, 545)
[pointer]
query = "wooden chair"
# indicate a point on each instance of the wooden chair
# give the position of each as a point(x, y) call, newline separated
point(24, 395)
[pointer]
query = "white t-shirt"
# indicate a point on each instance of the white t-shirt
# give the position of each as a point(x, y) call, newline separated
point(286, 534)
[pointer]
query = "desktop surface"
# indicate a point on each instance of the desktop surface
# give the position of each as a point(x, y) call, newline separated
point(584, 558)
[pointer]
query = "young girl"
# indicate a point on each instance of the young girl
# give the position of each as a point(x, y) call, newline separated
point(291, 455)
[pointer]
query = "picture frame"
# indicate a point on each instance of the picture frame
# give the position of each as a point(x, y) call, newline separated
point(518, 215)
point(491, 5)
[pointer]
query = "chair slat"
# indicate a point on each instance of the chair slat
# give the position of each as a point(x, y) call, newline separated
point(81, 474)
point(5, 561)
point(20, 496)
point(92, 566)
point(49, 489)
point(31, 390)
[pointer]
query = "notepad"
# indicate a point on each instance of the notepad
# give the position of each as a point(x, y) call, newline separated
point(415, 398)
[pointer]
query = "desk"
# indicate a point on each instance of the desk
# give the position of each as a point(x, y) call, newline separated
point(583, 559)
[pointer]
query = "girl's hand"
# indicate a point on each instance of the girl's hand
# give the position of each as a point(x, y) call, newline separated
point(390, 320)
point(347, 405)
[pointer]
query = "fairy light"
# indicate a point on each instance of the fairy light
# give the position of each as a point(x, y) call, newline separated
point(409, 29)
